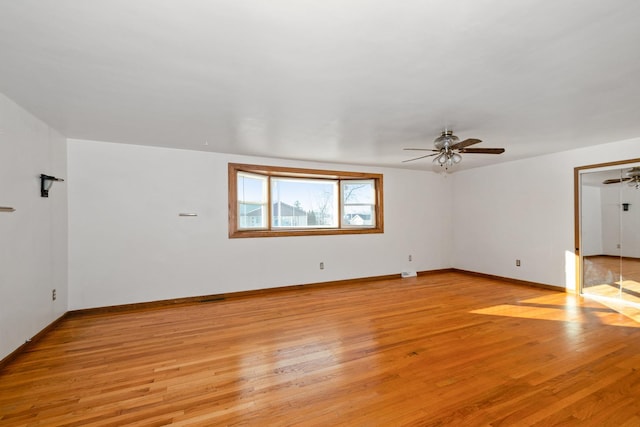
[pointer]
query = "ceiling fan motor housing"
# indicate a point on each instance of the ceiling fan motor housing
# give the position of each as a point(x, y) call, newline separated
point(445, 140)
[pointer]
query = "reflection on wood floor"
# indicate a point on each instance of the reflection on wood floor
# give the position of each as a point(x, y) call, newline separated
point(616, 279)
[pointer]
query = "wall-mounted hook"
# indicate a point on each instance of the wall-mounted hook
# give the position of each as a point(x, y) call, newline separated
point(46, 181)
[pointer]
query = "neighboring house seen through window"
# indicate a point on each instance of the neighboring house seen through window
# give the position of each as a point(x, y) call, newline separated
point(277, 201)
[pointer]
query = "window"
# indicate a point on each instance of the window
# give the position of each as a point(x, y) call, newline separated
point(276, 201)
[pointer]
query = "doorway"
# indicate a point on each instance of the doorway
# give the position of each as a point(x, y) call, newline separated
point(608, 232)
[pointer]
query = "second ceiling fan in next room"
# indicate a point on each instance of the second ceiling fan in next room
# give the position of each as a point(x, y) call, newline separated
point(631, 177)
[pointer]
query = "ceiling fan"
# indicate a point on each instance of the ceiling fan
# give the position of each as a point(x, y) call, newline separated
point(632, 177)
point(448, 148)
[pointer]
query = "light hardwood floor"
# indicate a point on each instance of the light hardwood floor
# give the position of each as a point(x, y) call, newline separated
point(444, 349)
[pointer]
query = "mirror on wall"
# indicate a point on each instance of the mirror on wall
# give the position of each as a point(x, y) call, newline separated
point(609, 214)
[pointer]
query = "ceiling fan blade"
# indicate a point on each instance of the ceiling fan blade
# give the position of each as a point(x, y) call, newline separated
point(615, 181)
point(483, 150)
point(465, 143)
point(420, 149)
point(421, 157)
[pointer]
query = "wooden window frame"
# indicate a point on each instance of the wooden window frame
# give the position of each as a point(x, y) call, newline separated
point(287, 172)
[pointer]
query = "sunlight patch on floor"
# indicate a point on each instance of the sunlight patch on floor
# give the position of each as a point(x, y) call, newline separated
point(624, 308)
point(626, 302)
point(565, 308)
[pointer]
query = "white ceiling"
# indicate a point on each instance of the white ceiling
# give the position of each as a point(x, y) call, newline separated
point(348, 81)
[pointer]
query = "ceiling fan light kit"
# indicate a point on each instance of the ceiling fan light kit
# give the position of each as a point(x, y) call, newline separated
point(448, 159)
point(448, 148)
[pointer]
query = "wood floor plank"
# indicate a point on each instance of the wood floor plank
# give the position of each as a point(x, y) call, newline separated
point(443, 349)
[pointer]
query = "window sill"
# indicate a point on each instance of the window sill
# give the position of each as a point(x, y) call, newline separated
point(309, 232)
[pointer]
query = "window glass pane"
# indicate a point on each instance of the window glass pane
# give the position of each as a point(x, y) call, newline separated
point(252, 201)
point(354, 192)
point(358, 215)
point(304, 203)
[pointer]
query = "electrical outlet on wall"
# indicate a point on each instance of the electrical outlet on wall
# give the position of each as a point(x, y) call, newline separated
point(517, 263)
point(322, 266)
point(53, 295)
point(410, 258)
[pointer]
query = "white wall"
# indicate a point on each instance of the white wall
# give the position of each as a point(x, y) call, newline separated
point(128, 244)
point(611, 220)
point(33, 239)
point(524, 210)
point(591, 221)
point(630, 222)
point(621, 227)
